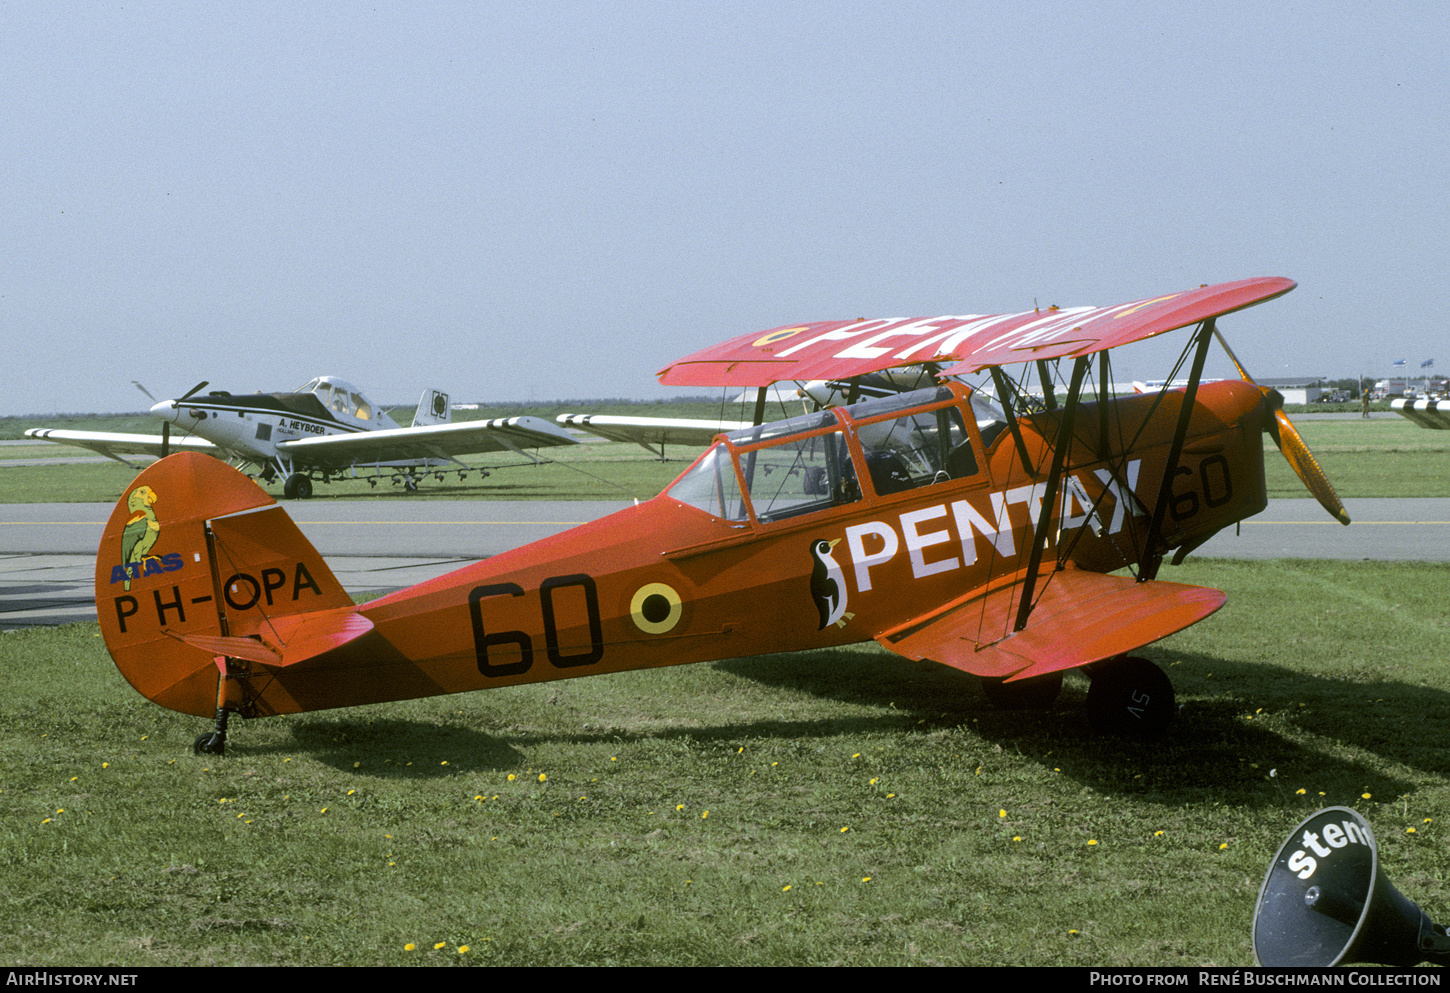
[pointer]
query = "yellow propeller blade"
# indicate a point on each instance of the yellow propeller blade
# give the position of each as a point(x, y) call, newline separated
point(1292, 445)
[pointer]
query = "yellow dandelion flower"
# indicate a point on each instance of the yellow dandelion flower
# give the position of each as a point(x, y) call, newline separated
point(511, 777)
point(323, 811)
point(679, 806)
point(357, 765)
point(105, 765)
point(351, 792)
point(462, 949)
point(1364, 796)
point(1017, 837)
point(441, 944)
point(1299, 792)
point(1425, 821)
point(865, 879)
point(704, 814)
point(1409, 830)
point(873, 782)
point(785, 888)
point(409, 947)
point(543, 778)
point(444, 762)
point(1001, 813)
point(1157, 834)
point(1223, 846)
point(845, 829)
point(1092, 841)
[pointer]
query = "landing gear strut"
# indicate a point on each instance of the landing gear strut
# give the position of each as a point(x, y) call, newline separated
point(213, 742)
point(1129, 696)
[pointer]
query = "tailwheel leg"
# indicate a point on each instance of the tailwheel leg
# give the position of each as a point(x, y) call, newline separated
point(1036, 693)
point(1129, 696)
point(213, 742)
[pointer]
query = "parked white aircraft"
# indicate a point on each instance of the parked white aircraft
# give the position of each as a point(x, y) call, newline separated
point(325, 429)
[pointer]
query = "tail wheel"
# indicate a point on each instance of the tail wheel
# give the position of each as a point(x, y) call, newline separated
point(1036, 693)
point(1129, 696)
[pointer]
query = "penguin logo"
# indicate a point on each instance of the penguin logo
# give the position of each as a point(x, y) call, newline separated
point(828, 585)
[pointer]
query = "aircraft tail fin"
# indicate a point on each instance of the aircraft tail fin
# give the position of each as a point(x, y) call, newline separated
point(432, 409)
point(199, 568)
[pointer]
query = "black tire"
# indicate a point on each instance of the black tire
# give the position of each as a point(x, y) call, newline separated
point(297, 487)
point(1131, 697)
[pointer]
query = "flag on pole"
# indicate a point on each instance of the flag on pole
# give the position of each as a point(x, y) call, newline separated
point(1427, 363)
point(1399, 363)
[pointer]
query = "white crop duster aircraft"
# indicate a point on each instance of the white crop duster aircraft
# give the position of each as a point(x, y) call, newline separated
point(325, 429)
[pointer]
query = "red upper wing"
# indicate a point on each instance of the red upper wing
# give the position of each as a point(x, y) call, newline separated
point(842, 349)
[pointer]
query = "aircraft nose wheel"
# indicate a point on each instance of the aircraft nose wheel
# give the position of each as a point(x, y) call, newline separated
point(1129, 696)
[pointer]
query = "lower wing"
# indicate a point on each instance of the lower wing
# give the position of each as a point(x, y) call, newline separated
point(1081, 618)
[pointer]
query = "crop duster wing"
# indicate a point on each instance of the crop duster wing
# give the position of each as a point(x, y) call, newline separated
point(114, 445)
point(513, 434)
point(1081, 618)
point(651, 431)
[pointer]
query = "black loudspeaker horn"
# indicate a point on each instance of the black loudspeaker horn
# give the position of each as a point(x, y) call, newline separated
point(1325, 902)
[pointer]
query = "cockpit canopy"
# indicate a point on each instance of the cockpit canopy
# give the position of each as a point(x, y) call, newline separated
point(816, 461)
point(340, 397)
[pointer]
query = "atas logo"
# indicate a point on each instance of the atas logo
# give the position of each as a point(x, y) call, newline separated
point(138, 537)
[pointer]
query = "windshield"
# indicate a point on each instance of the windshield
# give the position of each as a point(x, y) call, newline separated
point(711, 486)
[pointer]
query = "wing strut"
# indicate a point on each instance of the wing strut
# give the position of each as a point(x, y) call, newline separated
point(1048, 397)
point(1005, 393)
point(1153, 560)
point(1049, 512)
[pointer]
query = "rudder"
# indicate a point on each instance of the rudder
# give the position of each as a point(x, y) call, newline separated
point(198, 563)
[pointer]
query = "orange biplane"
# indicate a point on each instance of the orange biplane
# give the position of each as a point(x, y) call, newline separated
point(979, 528)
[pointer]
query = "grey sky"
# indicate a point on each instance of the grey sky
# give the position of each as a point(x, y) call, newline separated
point(549, 200)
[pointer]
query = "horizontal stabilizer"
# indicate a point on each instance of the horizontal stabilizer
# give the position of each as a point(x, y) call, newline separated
point(1082, 617)
point(293, 638)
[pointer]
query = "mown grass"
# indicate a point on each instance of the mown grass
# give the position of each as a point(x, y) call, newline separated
point(841, 807)
point(1363, 459)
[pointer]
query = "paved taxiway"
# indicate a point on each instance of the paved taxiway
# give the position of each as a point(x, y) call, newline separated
point(47, 551)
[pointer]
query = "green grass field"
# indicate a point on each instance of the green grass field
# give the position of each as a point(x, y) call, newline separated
point(1363, 458)
point(823, 808)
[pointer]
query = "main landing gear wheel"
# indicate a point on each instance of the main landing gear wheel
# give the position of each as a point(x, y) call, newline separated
point(1129, 696)
point(297, 487)
point(1036, 693)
